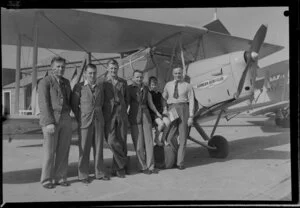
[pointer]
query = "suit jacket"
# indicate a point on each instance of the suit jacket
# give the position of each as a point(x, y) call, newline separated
point(138, 101)
point(109, 105)
point(51, 99)
point(87, 106)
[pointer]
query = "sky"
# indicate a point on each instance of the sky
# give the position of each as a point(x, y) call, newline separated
point(242, 22)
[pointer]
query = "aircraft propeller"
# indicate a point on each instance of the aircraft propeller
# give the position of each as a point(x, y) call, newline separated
point(251, 55)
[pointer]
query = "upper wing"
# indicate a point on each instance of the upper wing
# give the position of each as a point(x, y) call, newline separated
point(77, 30)
point(216, 43)
point(84, 31)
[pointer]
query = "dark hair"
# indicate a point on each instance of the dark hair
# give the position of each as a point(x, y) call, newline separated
point(58, 59)
point(113, 62)
point(151, 79)
point(137, 71)
point(93, 66)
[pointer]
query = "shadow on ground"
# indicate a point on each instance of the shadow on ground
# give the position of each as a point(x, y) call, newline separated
point(130, 146)
point(33, 175)
point(246, 149)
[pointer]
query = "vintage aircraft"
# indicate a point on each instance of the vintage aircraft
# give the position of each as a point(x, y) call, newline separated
point(271, 95)
point(221, 67)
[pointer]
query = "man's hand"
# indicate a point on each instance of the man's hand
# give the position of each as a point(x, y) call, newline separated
point(190, 121)
point(159, 115)
point(165, 112)
point(50, 128)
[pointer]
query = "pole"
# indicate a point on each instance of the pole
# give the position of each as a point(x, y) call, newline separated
point(34, 64)
point(18, 68)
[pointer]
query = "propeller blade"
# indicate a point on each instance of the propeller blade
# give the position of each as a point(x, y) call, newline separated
point(242, 81)
point(252, 54)
point(259, 38)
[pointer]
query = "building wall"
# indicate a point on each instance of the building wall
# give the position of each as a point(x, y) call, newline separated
point(8, 76)
point(13, 99)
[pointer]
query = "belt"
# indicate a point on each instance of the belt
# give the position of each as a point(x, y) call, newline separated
point(117, 103)
point(178, 103)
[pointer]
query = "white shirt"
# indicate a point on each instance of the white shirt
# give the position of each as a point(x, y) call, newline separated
point(185, 94)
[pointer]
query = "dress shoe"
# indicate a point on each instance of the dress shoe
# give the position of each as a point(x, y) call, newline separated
point(155, 171)
point(63, 183)
point(85, 181)
point(104, 178)
point(120, 173)
point(126, 168)
point(48, 185)
point(147, 171)
point(181, 167)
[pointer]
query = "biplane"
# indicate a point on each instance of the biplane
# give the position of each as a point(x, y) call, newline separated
point(221, 67)
point(271, 95)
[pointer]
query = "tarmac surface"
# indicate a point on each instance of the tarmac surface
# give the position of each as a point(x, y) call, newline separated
point(258, 167)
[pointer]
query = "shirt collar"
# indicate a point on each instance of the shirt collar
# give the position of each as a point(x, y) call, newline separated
point(179, 81)
point(59, 80)
point(109, 78)
point(135, 85)
point(86, 83)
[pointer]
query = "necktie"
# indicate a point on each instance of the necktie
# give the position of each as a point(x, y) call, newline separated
point(92, 88)
point(175, 95)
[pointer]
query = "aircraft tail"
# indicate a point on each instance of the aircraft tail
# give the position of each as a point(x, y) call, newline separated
point(273, 83)
point(217, 26)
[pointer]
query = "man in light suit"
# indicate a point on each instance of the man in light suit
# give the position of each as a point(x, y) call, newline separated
point(87, 101)
point(115, 116)
point(54, 103)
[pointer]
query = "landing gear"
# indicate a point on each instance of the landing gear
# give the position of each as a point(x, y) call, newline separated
point(221, 145)
point(282, 118)
point(217, 145)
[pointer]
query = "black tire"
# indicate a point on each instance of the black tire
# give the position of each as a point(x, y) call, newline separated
point(222, 147)
point(278, 122)
point(282, 122)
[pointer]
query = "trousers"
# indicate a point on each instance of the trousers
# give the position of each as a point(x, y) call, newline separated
point(143, 142)
point(179, 126)
point(91, 136)
point(56, 151)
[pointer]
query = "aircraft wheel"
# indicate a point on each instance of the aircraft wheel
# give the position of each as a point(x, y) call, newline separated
point(222, 147)
point(282, 122)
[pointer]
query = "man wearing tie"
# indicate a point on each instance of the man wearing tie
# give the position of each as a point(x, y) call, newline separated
point(87, 102)
point(115, 117)
point(180, 96)
point(54, 103)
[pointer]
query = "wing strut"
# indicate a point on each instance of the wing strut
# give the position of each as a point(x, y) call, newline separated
point(182, 56)
point(18, 67)
point(34, 63)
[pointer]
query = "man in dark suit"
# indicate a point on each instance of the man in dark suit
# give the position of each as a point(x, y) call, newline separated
point(115, 116)
point(54, 103)
point(87, 102)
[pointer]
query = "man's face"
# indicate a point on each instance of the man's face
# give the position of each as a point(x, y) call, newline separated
point(112, 70)
point(178, 74)
point(58, 68)
point(138, 78)
point(91, 75)
point(153, 85)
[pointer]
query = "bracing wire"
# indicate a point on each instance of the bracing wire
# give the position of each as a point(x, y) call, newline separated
point(46, 49)
point(80, 46)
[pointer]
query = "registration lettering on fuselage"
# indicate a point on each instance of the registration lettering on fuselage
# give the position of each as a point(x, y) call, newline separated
point(211, 83)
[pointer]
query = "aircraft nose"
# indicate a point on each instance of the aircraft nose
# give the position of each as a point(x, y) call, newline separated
point(254, 56)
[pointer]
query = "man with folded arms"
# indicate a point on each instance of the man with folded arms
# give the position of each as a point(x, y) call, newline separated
point(115, 117)
point(180, 97)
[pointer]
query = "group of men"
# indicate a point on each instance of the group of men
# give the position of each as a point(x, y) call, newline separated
point(100, 106)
